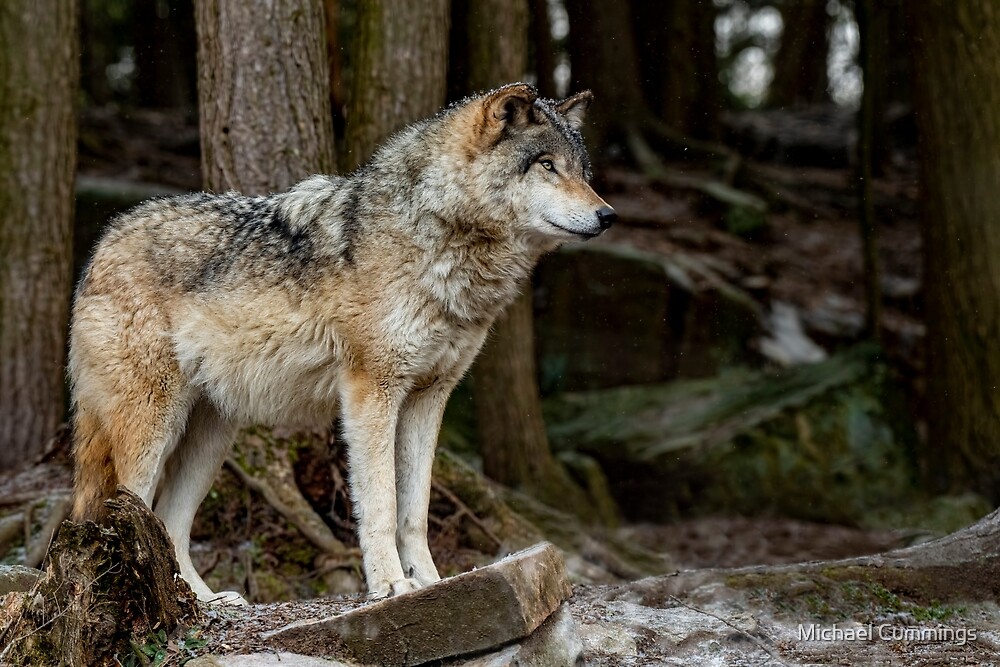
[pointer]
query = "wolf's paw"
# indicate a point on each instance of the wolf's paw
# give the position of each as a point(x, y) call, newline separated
point(404, 586)
point(224, 598)
point(391, 589)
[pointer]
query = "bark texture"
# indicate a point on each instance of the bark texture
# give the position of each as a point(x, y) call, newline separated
point(39, 72)
point(957, 56)
point(400, 71)
point(264, 93)
point(512, 436)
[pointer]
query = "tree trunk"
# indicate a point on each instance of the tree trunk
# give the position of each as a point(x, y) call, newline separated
point(39, 73)
point(871, 24)
point(512, 437)
point(675, 42)
point(165, 53)
point(263, 94)
point(543, 48)
point(800, 65)
point(400, 71)
point(957, 56)
point(603, 59)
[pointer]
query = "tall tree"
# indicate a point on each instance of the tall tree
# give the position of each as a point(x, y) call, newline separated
point(675, 44)
point(165, 53)
point(399, 71)
point(263, 93)
point(542, 47)
point(512, 438)
point(800, 75)
point(957, 53)
point(39, 72)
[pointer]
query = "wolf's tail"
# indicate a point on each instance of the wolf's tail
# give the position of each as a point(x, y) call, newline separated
point(96, 478)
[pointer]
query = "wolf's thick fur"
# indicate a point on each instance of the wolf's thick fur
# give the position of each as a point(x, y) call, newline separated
point(367, 295)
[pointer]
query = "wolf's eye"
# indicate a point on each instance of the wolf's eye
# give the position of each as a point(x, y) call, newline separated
point(547, 165)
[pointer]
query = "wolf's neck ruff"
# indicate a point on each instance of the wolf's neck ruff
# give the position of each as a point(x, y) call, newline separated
point(367, 295)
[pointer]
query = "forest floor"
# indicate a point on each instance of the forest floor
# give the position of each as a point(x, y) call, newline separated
point(807, 255)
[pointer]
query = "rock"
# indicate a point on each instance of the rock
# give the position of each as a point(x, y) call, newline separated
point(607, 639)
point(823, 442)
point(555, 644)
point(607, 316)
point(472, 612)
point(263, 660)
point(17, 578)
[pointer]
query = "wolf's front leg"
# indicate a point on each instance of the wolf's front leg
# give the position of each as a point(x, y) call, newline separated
point(370, 411)
point(416, 440)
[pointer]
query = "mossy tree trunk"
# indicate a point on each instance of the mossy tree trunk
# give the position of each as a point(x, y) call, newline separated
point(39, 73)
point(400, 66)
point(957, 58)
point(263, 94)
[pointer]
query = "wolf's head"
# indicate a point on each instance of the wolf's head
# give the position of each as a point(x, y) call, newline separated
point(531, 166)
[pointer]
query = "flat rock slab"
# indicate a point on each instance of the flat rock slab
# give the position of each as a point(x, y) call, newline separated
point(17, 578)
point(471, 612)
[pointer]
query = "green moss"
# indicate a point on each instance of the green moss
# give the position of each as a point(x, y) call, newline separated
point(840, 593)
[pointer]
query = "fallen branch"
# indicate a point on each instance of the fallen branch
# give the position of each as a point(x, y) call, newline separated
point(38, 548)
point(463, 510)
point(10, 529)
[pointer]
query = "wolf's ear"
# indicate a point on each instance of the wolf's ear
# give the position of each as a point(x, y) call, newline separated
point(575, 108)
point(509, 106)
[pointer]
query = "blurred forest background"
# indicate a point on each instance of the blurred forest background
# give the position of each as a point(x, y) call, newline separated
point(786, 348)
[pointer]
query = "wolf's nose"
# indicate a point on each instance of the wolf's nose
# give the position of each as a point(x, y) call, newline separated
point(606, 216)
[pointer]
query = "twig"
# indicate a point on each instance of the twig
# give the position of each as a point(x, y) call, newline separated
point(463, 509)
point(761, 644)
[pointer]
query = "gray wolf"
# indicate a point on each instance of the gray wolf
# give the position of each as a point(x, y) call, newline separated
point(366, 296)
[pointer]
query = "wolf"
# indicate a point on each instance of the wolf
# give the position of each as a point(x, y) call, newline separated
point(365, 296)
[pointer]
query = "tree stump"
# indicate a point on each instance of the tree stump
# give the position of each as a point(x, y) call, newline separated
point(106, 588)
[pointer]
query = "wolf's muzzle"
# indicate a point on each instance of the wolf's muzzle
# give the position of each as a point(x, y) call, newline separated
point(606, 216)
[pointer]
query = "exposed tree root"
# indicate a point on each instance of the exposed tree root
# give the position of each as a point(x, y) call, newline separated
point(718, 189)
point(517, 521)
point(10, 530)
point(264, 465)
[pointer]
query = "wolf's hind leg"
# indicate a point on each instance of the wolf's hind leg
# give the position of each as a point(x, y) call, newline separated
point(416, 441)
point(187, 479)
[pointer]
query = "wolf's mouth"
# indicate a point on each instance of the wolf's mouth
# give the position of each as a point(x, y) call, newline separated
point(586, 235)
